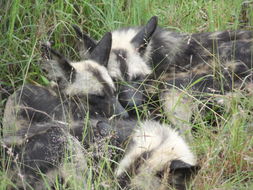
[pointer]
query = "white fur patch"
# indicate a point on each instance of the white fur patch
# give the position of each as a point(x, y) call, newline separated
point(177, 42)
point(85, 81)
point(121, 39)
point(164, 142)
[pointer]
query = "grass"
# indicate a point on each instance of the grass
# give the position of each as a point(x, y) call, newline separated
point(225, 152)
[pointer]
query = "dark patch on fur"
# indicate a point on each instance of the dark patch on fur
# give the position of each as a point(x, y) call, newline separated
point(40, 104)
point(123, 130)
point(50, 153)
point(125, 178)
point(219, 83)
point(178, 164)
point(178, 174)
point(119, 130)
point(239, 50)
point(192, 66)
point(140, 160)
point(101, 105)
point(5, 91)
point(208, 39)
point(130, 94)
point(205, 83)
point(103, 128)
point(241, 71)
point(121, 57)
point(198, 49)
point(39, 154)
point(181, 173)
point(77, 107)
point(104, 106)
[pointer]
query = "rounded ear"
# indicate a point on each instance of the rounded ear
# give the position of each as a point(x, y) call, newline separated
point(142, 38)
point(101, 52)
point(63, 63)
point(88, 42)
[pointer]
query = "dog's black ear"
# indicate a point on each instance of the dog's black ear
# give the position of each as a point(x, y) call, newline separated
point(88, 43)
point(142, 38)
point(181, 172)
point(63, 63)
point(101, 52)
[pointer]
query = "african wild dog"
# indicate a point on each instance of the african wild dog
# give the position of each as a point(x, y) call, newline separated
point(35, 116)
point(172, 61)
point(41, 155)
point(89, 80)
point(155, 157)
point(155, 153)
point(127, 62)
point(85, 87)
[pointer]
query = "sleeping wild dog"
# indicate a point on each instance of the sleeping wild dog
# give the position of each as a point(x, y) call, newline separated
point(36, 133)
point(177, 65)
point(33, 108)
point(85, 88)
point(155, 157)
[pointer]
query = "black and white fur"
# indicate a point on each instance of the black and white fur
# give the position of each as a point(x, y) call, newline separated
point(39, 122)
point(85, 88)
point(221, 61)
point(156, 156)
point(128, 60)
point(88, 80)
point(39, 156)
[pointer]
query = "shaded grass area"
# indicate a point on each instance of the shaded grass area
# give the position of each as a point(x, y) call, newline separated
point(225, 152)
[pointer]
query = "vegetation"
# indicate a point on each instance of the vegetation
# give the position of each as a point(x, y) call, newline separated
point(225, 151)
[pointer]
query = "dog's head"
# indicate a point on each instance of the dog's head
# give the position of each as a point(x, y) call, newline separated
point(88, 80)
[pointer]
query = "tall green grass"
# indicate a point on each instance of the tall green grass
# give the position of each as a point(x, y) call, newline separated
point(225, 152)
